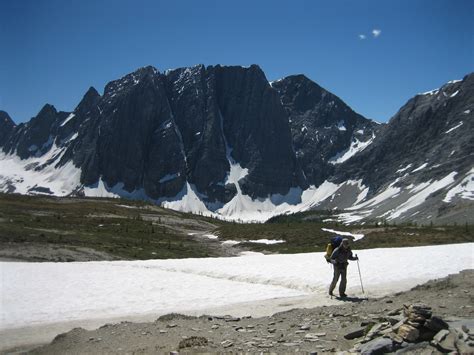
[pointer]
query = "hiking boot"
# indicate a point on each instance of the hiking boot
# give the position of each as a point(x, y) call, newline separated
point(343, 295)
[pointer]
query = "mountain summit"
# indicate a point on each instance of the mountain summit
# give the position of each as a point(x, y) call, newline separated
point(222, 140)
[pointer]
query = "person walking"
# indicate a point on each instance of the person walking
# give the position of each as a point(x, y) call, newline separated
point(339, 259)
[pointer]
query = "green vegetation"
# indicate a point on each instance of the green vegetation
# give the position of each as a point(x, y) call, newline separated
point(129, 229)
point(139, 231)
point(303, 233)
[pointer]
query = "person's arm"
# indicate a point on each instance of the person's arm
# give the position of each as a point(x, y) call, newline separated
point(352, 257)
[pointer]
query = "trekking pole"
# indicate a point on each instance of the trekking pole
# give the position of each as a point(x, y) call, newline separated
point(360, 277)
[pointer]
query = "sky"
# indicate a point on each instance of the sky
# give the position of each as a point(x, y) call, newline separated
point(374, 55)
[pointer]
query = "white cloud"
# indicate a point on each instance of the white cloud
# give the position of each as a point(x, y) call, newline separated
point(376, 32)
point(361, 36)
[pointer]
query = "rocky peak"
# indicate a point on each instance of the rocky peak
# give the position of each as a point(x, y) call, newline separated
point(127, 82)
point(324, 129)
point(428, 138)
point(6, 126)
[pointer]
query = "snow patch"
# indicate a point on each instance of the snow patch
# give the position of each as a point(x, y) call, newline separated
point(464, 190)
point(35, 294)
point(39, 172)
point(348, 234)
point(422, 194)
point(356, 147)
point(68, 118)
point(452, 129)
point(404, 169)
point(421, 167)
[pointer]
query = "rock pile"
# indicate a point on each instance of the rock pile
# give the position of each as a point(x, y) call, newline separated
point(412, 328)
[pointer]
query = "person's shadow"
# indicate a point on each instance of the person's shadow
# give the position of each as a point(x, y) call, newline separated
point(351, 299)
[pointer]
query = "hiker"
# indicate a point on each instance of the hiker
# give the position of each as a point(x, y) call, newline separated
point(339, 259)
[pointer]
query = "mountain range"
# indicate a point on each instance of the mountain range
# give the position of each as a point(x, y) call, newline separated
point(223, 141)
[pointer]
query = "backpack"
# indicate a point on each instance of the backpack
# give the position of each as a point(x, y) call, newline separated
point(335, 242)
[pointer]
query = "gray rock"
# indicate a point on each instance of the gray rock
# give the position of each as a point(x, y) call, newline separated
point(446, 343)
point(377, 346)
point(436, 324)
point(419, 348)
point(441, 335)
point(227, 343)
point(355, 334)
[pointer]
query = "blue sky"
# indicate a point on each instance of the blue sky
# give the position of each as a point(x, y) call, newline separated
point(53, 50)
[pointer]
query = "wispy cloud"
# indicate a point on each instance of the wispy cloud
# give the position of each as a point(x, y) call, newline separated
point(376, 32)
point(362, 37)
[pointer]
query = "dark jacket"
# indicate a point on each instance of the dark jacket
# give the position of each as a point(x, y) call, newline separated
point(340, 255)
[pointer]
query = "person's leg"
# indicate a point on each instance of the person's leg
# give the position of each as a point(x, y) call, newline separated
point(335, 278)
point(342, 285)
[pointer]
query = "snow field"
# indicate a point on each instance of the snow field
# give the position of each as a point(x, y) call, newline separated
point(42, 293)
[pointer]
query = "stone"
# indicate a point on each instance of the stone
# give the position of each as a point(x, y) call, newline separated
point(396, 326)
point(265, 345)
point(355, 334)
point(420, 309)
point(311, 336)
point(377, 328)
point(272, 330)
point(232, 319)
point(408, 332)
point(173, 325)
point(426, 334)
point(395, 337)
point(463, 347)
point(417, 348)
point(416, 318)
point(447, 343)
point(436, 324)
point(441, 335)
point(377, 346)
point(394, 312)
point(227, 343)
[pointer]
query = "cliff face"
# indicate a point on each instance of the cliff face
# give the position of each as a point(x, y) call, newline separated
point(207, 136)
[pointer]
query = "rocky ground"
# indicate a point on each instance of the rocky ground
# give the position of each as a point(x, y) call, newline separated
point(434, 317)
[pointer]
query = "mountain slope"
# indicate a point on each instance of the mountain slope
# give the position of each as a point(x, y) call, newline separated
point(325, 131)
point(223, 141)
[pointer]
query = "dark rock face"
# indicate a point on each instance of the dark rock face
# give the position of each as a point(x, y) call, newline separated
point(153, 132)
point(156, 131)
point(322, 125)
point(433, 129)
point(37, 136)
point(6, 126)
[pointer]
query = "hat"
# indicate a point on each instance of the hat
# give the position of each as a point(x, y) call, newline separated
point(345, 241)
